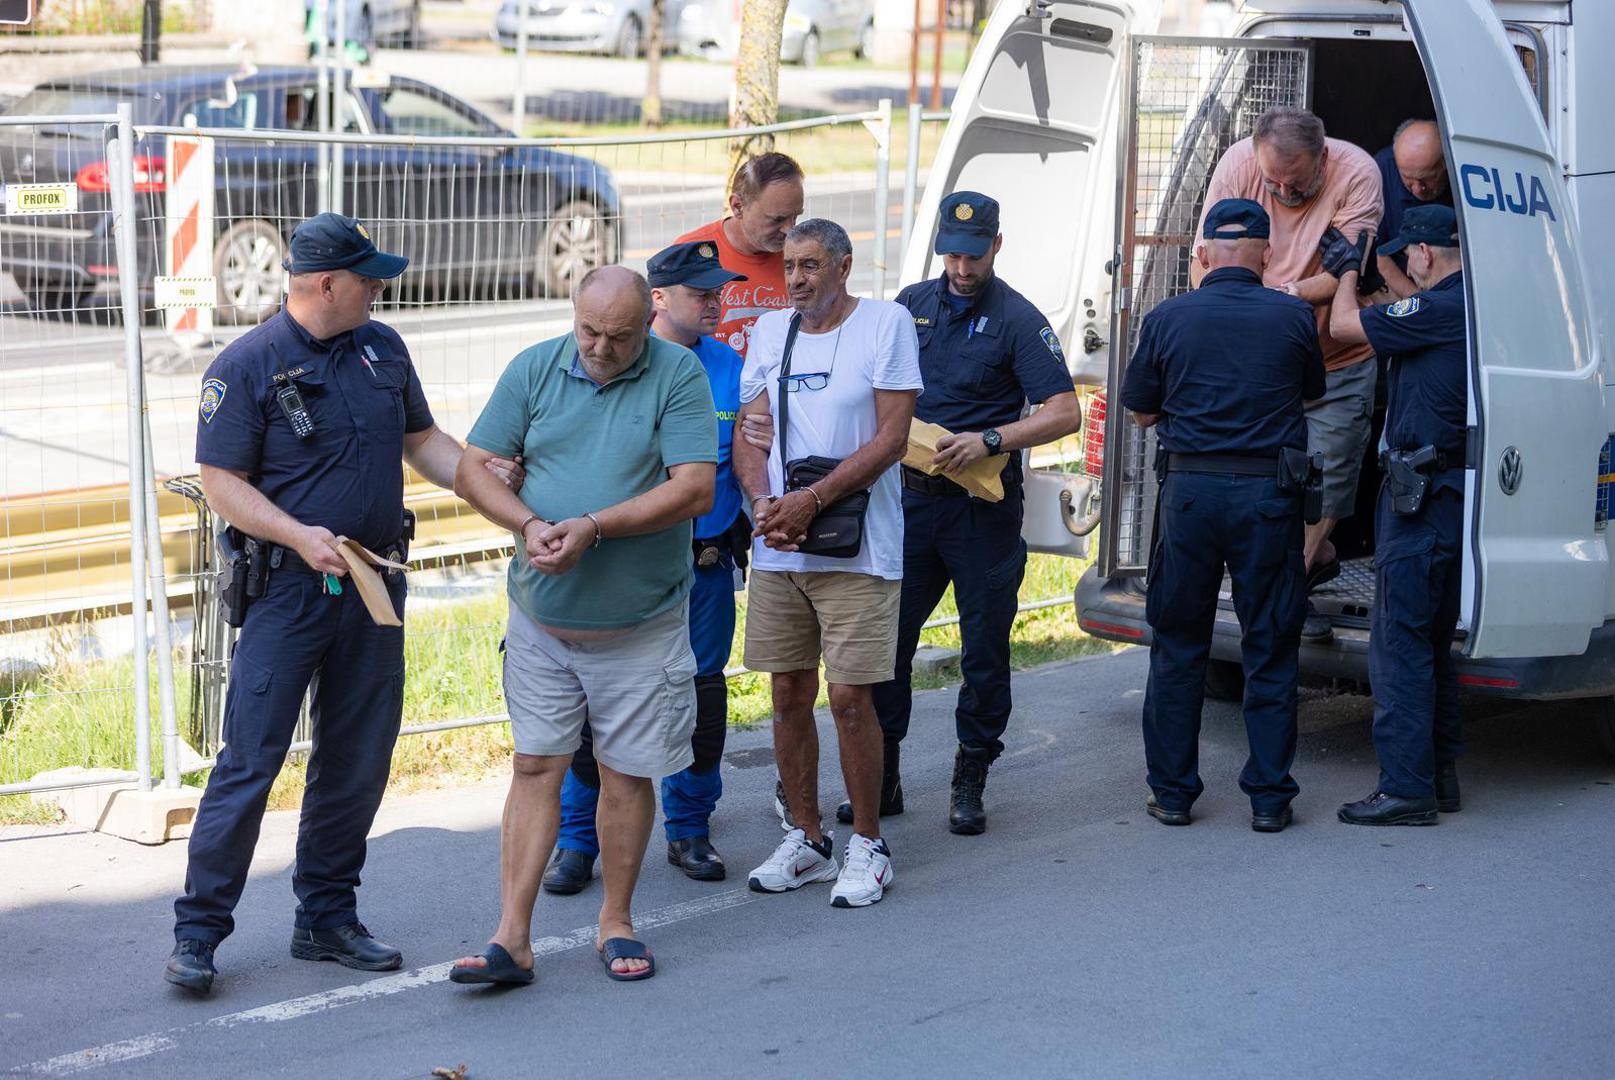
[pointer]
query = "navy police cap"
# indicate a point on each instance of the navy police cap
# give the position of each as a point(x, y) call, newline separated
point(334, 242)
point(967, 224)
point(694, 264)
point(1431, 223)
point(1236, 219)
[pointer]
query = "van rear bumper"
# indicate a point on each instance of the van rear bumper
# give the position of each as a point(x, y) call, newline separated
point(1113, 609)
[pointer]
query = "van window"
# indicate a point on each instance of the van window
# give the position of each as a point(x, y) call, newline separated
point(410, 112)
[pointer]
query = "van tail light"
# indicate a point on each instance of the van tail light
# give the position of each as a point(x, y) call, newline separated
point(1093, 437)
point(151, 174)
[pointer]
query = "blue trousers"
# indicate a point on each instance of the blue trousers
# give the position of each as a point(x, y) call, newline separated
point(977, 547)
point(1207, 522)
point(688, 797)
point(1418, 576)
point(294, 636)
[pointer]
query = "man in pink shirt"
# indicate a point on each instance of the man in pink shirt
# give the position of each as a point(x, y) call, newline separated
point(1308, 183)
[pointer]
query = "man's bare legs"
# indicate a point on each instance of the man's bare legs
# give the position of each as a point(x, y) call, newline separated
point(858, 732)
point(624, 819)
point(526, 835)
point(796, 746)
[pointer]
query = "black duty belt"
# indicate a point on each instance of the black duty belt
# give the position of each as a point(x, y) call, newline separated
point(284, 558)
point(940, 486)
point(1444, 460)
point(1224, 464)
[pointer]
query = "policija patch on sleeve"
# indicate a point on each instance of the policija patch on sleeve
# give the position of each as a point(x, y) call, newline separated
point(1403, 308)
point(212, 397)
point(1052, 340)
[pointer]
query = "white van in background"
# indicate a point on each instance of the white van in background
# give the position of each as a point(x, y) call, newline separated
point(1099, 139)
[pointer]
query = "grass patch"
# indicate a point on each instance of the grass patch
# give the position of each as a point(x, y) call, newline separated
point(75, 713)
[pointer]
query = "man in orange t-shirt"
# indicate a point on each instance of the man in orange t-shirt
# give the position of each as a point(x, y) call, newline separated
point(764, 202)
point(1308, 183)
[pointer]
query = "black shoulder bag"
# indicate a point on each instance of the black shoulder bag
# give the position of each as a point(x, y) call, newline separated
point(838, 530)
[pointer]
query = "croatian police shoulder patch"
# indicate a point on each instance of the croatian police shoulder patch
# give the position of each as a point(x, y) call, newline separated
point(1052, 340)
point(1403, 308)
point(212, 397)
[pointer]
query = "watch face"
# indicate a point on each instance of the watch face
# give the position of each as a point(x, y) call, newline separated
point(992, 438)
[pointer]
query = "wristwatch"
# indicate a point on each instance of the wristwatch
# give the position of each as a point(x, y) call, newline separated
point(993, 440)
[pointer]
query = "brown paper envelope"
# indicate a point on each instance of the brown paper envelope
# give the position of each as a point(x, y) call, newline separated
point(361, 572)
point(982, 479)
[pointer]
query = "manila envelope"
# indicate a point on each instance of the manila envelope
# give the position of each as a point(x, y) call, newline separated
point(361, 571)
point(982, 479)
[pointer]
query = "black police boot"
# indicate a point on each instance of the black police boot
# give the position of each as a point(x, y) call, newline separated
point(1448, 800)
point(891, 785)
point(966, 815)
point(191, 965)
point(1277, 821)
point(350, 945)
point(697, 857)
point(1383, 809)
point(1164, 815)
point(569, 872)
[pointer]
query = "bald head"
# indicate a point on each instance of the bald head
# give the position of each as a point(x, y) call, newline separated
point(1250, 254)
point(1419, 159)
point(611, 319)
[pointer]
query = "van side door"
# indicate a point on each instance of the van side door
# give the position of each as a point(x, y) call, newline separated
point(1538, 560)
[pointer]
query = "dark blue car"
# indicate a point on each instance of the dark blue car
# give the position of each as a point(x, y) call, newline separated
point(477, 222)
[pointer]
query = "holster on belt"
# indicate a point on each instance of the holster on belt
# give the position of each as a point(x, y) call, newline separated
point(1300, 473)
point(1408, 473)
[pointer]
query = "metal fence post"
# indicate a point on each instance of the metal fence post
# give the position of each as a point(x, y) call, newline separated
point(911, 179)
point(124, 224)
point(322, 101)
point(881, 128)
point(339, 97)
point(158, 572)
point(519, 105)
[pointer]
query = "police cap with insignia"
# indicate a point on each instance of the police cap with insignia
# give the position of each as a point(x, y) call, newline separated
point(967, 225)
point(1432, 224)
point(334, 242)
point(694, 264)
point(1236, 219)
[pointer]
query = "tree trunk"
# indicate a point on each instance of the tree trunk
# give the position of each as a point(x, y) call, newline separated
point(650, 110)
point(756, 93)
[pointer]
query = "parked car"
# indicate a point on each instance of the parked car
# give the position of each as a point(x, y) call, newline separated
point(476, 220)
point(613, 27)
point(372, 22)
point(711, 28)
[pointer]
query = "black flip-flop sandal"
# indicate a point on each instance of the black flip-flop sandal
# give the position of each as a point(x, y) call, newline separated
point(621, 948)
point(501, 970)
point(1323, 573)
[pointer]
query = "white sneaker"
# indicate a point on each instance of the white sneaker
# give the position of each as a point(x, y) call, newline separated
point(867, 873)
point(795, 863)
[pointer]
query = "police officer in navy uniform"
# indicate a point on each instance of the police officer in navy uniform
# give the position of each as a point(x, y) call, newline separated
point(303, 423)
point(687, 285)
point(1222, 374)
point(985, 352)
point(1418, 524)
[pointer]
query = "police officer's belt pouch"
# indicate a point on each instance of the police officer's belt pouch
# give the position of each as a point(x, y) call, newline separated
point(1407, 472)
point(838, 530)
point(1302, 474)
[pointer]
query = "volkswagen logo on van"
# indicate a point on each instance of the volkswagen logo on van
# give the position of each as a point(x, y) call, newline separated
point(1510, 470)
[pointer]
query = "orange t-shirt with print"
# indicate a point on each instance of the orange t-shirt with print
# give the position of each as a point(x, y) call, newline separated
point(762, 291)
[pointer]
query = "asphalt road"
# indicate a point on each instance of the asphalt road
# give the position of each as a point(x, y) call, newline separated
point(62, 386)
point(1076, 938)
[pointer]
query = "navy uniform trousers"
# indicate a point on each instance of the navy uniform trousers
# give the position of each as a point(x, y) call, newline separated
point(1207, 521)
point(1418, 576)
point(295, 635)
point(688, 797)
point(976, 545)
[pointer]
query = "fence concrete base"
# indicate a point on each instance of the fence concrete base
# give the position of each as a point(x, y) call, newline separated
point(936, 660)
point(114, 804)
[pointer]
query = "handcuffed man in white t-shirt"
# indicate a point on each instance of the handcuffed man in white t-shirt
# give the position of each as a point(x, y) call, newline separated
point(854, 374)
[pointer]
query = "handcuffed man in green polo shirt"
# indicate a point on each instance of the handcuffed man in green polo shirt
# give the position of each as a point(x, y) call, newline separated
point(616, 430)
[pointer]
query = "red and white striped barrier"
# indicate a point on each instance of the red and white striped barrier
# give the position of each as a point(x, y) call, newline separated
point(189, 292)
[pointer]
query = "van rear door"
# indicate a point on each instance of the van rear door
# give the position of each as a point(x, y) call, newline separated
point(1189, 99)
point(1539, 562)
point(1034, 126)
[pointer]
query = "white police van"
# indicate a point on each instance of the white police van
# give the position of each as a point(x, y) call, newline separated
point(1099, 137)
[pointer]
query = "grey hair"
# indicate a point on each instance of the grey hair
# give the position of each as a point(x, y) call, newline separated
point(1409, 122)
point(827, 234)
point(640, 286)
point(1290, 131)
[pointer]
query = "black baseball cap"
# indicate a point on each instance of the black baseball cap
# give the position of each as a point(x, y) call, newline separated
point(694, 264)
point(334, 242)
point(967, 224)
point(1236, 219)
point(1432, 223)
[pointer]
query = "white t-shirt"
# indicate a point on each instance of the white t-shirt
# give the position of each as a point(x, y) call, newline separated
point(873, 349)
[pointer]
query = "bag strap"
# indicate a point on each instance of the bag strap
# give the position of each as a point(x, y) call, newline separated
point(784, 390)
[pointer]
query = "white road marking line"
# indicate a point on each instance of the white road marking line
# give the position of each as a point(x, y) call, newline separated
point(146, 1045)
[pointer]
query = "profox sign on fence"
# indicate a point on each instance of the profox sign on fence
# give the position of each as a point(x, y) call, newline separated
point(42, 199)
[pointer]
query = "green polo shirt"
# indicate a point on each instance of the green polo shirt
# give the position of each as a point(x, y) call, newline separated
point(587, 447)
